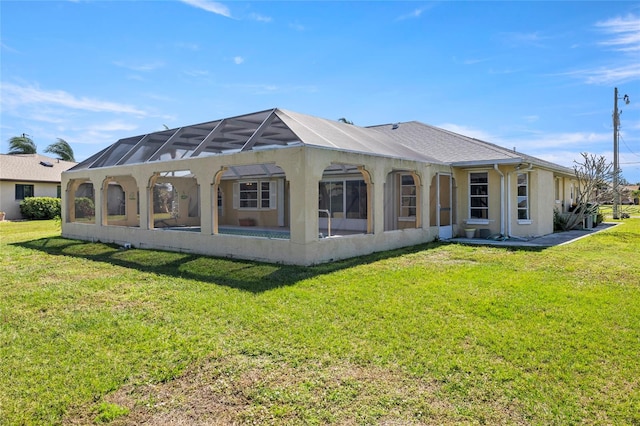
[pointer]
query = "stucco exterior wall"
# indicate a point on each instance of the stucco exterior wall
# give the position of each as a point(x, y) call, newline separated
point(303, 166)
point(503, 200)
point(541, 204)
point(11, 206)
point(494, 222)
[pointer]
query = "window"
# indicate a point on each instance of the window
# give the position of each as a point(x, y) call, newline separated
point(220, 202)
point(557, 189)
point(264, 195)
point(255, 195)
point(23, 191)
point(523, 196)
point(249, 195)
point(344, 198)
point(407, 196)
point(571, 194)
point(59, 191)
point(479, 195)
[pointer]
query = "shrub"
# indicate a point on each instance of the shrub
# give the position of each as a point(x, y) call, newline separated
point(40, 208)
point(85, 207)
point(560, 222)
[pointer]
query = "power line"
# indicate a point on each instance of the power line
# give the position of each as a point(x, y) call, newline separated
point(627, 146)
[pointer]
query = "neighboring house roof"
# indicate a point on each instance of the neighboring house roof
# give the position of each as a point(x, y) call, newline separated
point(277, 128)
point(32, 168)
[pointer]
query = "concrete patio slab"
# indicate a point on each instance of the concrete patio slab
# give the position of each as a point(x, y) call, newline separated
point(550, 240)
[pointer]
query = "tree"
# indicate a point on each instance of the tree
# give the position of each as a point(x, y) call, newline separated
point(594, 175)
point(62, 149)
point(22, 145)
point(344, 120)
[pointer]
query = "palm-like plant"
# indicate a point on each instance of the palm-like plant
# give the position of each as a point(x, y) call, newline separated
point(62, 149)
point(22, 145)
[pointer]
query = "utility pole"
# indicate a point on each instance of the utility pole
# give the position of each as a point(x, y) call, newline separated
point(616, 162)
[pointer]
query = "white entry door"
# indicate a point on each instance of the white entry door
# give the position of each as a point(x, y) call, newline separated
point(444, 208)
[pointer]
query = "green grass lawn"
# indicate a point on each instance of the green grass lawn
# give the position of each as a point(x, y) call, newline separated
point(632, 210)
point(434, 334)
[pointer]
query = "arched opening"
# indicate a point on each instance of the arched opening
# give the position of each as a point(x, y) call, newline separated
point(80, 201)
point(174, 201)
point(251, 200)
point(403, 203)
point(121, 201)
point(344, 200)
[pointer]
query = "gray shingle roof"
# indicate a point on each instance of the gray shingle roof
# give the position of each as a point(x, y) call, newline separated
point(455, 149)
point(30, 168)
point(278, 128)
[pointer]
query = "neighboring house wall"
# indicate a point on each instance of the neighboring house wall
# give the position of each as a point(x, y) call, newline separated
point(30, 171)
point(11, 206)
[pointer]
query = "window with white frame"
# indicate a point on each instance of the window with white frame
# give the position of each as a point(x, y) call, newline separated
point(408, 197)
point(523, 196)
point(254, 195)
point(479, 195)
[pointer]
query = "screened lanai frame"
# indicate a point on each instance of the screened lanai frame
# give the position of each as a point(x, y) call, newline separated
point(260, 130)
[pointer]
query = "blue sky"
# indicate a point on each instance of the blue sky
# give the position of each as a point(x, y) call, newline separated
point(537, 76)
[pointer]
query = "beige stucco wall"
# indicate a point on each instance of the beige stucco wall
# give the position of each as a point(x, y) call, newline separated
point(11, 206)
point(541, 204)
point(503, 201)
point(303, 166)
point(493, 225)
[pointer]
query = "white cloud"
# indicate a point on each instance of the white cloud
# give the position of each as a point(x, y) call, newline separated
point(467, 131)
point(608, 75)
point(260, 18)
point(416, 13)
point(210, 6)
point(113, 126)
point(297, 26)
point(560, 140)
point(14, 96)
point(7, 48)
point(623, 35)
point(624, 31)
point(238, 60)
point(187, 46)
point(515, 39)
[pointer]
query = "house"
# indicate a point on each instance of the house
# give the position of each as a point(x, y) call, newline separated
point(28, 175)
point(285, 187)
point(629, 194)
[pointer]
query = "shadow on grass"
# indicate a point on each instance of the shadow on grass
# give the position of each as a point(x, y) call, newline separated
point(255, 277)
